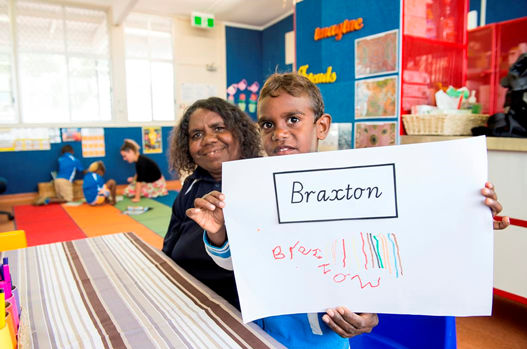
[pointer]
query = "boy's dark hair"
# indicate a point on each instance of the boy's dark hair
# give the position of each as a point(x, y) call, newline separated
point(67, 149)
point(236, 121)
point(130, 144)
point(296, 85)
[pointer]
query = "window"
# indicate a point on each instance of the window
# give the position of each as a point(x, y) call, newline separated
point(149, 68)
point(7, 98)
point(62, 61)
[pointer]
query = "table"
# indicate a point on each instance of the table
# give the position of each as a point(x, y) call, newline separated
point(115, 291)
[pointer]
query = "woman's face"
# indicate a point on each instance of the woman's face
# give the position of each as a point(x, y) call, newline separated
point(129, 155)
point(210, 142)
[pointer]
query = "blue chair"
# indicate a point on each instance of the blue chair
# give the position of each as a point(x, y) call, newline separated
point(408, 332)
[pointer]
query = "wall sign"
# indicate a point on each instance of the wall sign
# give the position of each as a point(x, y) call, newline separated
point(337, 30)
point(321, 78)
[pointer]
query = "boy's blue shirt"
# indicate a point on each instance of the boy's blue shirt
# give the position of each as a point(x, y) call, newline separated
point(91, 186)
point(68, 166)
point(292, 330)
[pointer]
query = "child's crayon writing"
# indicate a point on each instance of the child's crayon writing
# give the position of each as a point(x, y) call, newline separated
point(341, 277)
point(365, 252)
point(315, 252)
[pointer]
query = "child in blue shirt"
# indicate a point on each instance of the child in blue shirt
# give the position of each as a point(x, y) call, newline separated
point(96, 192)
point(292, 121)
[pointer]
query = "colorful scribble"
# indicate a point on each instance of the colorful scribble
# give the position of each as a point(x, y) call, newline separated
point(335, 260)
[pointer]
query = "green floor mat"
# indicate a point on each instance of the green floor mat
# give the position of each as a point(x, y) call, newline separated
point(155, 219)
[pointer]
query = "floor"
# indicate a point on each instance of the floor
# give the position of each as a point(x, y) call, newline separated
point(506, 328)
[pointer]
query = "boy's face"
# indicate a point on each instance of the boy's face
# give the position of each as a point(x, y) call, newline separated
point(287, 125)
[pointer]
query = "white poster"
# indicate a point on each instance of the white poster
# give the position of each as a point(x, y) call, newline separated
point(400, 229)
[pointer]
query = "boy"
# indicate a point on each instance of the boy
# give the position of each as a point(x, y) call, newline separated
point(68, 166)
point(292, 120)
point(96, 192)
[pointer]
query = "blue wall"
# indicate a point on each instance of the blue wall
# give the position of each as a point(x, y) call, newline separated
point(24, 169)
point(244, 61)
point(273, 47)
point(378, 16)
point(500, 10)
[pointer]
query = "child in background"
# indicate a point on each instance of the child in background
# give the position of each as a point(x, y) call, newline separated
point(148, 180)
point(68, 166)
point(292, 121)
point(63, 183)
point(96, 192)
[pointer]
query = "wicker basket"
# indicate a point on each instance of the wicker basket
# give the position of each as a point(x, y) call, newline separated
point(47, 189)
point(443, 124)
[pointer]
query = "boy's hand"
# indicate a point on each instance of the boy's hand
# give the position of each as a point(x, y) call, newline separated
point(347, 324)
point(491, 200)
point(208, 214)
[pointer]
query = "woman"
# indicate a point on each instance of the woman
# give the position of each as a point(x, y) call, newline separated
point(148, 180)
point(211, 132)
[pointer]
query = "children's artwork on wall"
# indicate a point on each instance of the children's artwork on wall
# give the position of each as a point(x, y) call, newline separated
point(374, 134)
point(331, 142)
point(20, 139)
point(376, 98)
point(71, 134)
point(54, 135)
point(366, 228)
point(93, 142)
point(376, 54)
point(152, 140)
point(345, 135)
point(237, 94)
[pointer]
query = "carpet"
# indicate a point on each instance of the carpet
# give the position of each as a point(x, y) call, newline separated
point(46, 224)
point(107, 219)
point(156, 219)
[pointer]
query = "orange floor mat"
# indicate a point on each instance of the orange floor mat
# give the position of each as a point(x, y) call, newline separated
point(106, 219)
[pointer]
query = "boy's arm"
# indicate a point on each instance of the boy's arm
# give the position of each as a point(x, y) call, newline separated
point(348, 324)
point(208, 214)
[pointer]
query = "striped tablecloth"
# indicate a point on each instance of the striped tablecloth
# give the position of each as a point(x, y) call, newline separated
point(115, 291)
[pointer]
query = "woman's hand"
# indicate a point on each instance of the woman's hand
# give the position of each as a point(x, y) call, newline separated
point(347, 324)
point(208, 214)
point(491, 200)
point(129, 179)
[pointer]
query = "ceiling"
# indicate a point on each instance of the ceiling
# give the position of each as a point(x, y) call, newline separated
point(251, 13)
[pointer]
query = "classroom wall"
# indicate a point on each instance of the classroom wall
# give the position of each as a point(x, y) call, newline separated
point(25, 169)
point(379, 16)
point(273, 47)
point(244, 62)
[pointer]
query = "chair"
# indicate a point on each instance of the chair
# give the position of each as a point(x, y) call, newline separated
point(12, 240)
point(3, 187)
point(409, 331)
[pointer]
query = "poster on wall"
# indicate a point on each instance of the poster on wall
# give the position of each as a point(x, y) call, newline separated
point(191, 92)
point(245, 96)
point(338, 138)
point(54, 135)
point(93, 142)
point(152, 140)
point(374, 134)
point(376, 98)
point(21, 139)
point(345, 135)
point(7, 139)
point(71, 134)
point(376, 54)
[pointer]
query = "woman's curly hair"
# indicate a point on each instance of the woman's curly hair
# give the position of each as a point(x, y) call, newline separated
point(240, 124)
